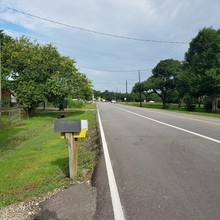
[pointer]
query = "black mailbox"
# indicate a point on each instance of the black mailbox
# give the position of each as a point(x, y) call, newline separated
point(67, 126)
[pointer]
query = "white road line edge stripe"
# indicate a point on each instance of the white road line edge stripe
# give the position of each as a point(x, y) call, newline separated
point(116, 202)
point(172, 126)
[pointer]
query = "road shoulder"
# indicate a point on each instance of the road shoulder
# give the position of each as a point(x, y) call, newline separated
point(75, 202)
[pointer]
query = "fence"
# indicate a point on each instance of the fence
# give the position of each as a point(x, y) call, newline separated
point(12, 116)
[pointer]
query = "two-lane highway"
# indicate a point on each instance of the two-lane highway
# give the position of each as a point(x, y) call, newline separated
point(165, 165)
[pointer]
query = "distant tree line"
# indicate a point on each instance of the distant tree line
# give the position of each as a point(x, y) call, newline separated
point(193, 81)
point(123, 97)
point(38, 73)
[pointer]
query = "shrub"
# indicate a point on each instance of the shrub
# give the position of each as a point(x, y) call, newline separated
point(5, 103)
point(189, 102)
point(208, 104)
point(75, 103)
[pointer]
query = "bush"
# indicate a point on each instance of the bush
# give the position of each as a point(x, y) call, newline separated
point(74, 103)
point(189, 102)
point(5, 103)
point(208, 104)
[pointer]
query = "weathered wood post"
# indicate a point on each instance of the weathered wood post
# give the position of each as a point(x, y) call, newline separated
point(73, 154)
point(71, 130)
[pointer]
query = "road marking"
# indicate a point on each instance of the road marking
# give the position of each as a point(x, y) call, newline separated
point(172, 126)
point(192, 119)
point(116, 202)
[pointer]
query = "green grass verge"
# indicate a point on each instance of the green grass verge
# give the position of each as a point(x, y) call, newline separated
point(174, 107)
point(34, 159)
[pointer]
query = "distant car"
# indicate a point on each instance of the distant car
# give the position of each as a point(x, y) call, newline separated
point(113, 101)
point(152, 101)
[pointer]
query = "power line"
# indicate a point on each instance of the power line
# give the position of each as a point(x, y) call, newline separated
point(93, 69)
point(114, 71)
point(97, 32)
point(24, 35)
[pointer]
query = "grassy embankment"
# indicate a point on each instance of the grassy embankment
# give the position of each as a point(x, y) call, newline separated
point(174, 107)
point(34, 159)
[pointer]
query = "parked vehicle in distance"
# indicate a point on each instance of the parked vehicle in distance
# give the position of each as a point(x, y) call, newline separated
point(113, 101)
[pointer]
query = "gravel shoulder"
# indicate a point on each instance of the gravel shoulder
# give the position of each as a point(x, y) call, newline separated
point(73, 202)
point(24, 210)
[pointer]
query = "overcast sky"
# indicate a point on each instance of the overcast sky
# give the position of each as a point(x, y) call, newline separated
point(92, 31)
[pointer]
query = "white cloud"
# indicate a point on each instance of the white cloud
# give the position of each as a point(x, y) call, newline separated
point(170, 20)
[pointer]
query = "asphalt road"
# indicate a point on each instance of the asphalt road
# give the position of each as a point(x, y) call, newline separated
point(166, 165)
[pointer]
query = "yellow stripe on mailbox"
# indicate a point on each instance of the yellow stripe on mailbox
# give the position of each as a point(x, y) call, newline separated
point(81, 134)
point(62, 135)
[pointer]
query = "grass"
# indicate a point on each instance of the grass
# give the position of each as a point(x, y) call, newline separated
point(34, 159)
point(174, 107)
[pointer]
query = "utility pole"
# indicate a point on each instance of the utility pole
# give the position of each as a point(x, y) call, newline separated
point(126, 92)
point(139, 74)
point(1, 77)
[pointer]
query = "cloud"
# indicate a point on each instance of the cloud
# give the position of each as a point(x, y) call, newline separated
point(170, 20)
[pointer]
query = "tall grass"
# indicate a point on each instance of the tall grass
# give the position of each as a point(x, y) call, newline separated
point(75, 103)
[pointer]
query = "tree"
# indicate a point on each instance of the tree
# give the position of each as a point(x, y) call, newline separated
point(61, 82)
point(82, 88)
point(22, 70)
point(97, 93)
point(107, 95)
point(163, 79)
point(203, 64)
point(182, 86)
point(38, 73)
point(30, 95)
point(30, 66)
point(142, 90)
point(6, 43)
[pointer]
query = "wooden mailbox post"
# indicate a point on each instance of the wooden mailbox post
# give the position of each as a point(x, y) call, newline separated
point(71, 130)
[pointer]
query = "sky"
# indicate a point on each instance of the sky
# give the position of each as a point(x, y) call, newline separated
point(112, 40)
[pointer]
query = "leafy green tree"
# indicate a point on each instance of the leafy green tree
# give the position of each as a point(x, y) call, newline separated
point(182, 86)
point(60, 84)
point(107, 95)
point(142, 90)
point(57, 90)
point(38, 73)
point(82, 88)
point(138, 87)
point(31, 65)
point(22, 71)
point(97, 93)
point(29, 95)
point(163, 81)
point(6, 42)
point(203, 64)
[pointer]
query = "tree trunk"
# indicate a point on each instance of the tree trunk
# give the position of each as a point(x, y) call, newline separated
point(164, 103)
point(164, 100)
point(30, 112)
point(61, 107)
point(180, 103)
point(214, 104)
